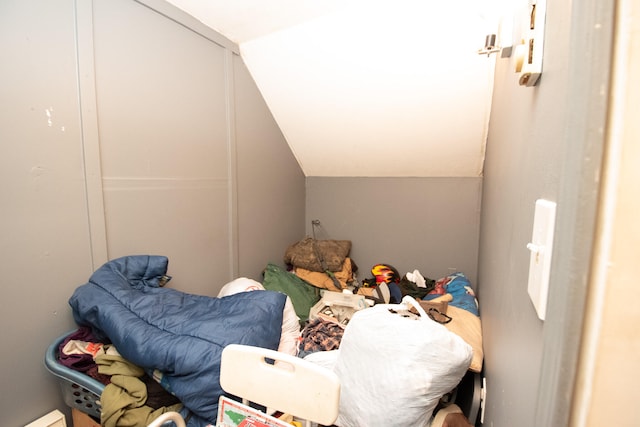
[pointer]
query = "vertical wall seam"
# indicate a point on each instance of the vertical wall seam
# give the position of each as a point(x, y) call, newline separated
point(232, 169)
point(89, 135)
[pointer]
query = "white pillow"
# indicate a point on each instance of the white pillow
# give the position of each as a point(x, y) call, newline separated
point(290, 321)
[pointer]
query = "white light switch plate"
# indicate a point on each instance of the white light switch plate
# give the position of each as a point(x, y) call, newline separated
point(541, 247)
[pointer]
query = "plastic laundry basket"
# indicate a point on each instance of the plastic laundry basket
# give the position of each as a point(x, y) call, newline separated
point(78, 390)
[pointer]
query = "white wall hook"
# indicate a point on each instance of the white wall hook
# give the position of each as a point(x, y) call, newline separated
point(538, 249)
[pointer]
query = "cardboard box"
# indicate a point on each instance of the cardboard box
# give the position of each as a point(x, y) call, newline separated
point(236, 414)
point(80, 419)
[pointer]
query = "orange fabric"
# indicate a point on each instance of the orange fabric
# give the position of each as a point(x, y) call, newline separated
point(322, 280)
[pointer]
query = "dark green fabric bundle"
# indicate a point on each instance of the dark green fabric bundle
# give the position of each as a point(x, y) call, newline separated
point(303, 295)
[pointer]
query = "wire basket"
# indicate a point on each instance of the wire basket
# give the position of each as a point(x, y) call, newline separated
point(78, 390)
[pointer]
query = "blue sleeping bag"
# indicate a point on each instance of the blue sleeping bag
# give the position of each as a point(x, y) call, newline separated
point(172, 334)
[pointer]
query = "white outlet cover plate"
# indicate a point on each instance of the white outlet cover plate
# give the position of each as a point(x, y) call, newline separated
point(541, 247)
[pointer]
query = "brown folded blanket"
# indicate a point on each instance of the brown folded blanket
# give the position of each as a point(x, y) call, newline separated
point(318, 255)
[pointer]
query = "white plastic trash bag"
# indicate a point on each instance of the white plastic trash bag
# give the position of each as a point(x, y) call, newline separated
point(394, 366)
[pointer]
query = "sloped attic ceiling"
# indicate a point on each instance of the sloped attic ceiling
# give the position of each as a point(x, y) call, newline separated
point(388, 88)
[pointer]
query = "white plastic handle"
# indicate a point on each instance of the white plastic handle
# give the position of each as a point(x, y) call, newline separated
point(408, 300)
point(168, 416)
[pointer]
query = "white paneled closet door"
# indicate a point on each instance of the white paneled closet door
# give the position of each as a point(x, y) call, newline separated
point(164, 143)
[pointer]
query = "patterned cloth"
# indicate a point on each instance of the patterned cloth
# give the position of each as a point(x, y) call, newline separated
point(320, 335)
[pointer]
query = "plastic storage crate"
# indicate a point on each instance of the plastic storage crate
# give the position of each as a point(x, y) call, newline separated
point(78, 390)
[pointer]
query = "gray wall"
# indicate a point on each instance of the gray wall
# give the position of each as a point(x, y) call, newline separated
point(271, 185)
point(428, 224)
point(44, 245)
point(163, 140)
point(77, 185)
point(544, 142)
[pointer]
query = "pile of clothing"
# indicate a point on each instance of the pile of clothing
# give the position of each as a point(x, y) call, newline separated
point(130, 396)
point(173, 337)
